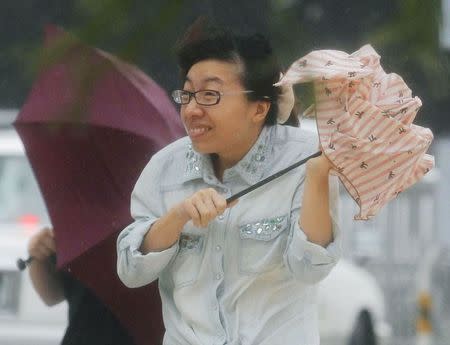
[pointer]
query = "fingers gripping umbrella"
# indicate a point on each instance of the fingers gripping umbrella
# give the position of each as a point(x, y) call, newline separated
point(90, 124)
point(364, 119)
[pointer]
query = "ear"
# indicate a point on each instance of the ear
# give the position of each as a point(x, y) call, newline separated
point(262, 108)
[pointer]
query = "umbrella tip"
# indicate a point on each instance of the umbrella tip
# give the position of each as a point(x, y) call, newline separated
point(22, 264)
point(52, 31)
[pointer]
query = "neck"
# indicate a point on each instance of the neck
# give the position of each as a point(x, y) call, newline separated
point(221, 164)
point(228, 159)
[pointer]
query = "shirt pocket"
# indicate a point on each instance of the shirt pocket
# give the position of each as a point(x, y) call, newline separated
point(262, 244)
point(186, 265)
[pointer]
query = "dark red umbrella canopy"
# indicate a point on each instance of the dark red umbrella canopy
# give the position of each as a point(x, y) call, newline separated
point(90, 124)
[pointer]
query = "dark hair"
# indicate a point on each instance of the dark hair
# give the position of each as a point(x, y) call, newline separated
point(260, 67)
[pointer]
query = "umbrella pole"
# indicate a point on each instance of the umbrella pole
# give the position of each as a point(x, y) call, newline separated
point(272, 177)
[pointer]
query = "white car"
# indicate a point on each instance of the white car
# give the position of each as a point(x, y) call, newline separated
point(351, 308)
point(24, 318)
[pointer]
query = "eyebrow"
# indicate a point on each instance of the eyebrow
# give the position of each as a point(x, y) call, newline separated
point(208, 80)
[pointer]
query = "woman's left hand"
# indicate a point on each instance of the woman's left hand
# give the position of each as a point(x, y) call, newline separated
point(319, 166)
point(315, 220)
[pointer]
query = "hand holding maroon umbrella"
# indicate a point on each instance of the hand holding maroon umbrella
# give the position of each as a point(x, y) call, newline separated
point(90, 124)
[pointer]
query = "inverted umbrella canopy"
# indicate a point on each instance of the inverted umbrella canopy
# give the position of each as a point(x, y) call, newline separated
point(89, 125)
point(364, 119)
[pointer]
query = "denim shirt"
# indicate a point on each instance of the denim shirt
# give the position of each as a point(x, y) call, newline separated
point(250, 277)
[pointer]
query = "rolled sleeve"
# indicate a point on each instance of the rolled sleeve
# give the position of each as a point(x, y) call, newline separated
point(309, 261)
point(134, 268)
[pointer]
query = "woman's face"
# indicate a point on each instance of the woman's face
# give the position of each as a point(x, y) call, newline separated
point(228, 128)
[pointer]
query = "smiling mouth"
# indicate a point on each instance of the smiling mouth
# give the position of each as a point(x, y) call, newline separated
point(196, 132)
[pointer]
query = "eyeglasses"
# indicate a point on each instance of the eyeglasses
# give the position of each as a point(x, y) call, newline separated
point(202, 97)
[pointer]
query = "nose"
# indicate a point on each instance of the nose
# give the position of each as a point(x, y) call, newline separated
point(191, 109)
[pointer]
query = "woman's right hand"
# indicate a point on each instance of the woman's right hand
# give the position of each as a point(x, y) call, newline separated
point(42, 245)
point(203, 206)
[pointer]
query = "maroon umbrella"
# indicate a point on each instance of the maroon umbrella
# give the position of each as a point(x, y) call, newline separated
point(90, 124)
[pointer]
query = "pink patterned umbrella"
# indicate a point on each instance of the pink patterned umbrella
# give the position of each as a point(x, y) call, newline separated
point(364, 119)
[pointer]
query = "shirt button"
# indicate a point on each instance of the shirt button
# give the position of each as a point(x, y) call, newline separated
point(218, 276)
point(218, 248)
point(221, 217)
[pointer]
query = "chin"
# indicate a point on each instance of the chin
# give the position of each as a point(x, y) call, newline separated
point(203, 148)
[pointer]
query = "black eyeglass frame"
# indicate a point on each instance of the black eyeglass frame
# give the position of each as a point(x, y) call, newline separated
point(177, 96)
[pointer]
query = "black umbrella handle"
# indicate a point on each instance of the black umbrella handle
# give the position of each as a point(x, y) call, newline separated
point(22, 264)
point(272, 177)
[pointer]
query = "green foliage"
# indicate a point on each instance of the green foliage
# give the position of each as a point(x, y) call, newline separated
point(143, 32)
point(411, 39)
point(404, 32)
point(127, 27)
point(415, 26)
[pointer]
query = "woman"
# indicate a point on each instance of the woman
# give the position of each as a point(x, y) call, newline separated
point(243, 273)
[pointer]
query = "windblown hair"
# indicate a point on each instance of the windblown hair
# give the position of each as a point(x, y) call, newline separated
point(260, 68)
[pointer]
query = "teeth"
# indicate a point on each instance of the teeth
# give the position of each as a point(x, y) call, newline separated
point(198, 130)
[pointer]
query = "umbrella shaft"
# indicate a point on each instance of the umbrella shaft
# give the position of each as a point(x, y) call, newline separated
point(272, 177)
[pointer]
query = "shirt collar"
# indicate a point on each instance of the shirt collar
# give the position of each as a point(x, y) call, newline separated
point(251, 167)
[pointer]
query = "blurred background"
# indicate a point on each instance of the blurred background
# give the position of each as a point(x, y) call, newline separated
point(394, 281)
